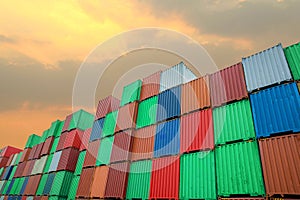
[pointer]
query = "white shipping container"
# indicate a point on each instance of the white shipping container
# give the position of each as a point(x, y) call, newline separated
point(55, 160)
point(39, 165)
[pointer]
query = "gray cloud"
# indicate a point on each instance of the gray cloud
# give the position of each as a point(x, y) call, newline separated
point(5, 39)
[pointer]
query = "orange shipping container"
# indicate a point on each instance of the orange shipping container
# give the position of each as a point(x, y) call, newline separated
point(150, 86)
point(85, 182)
point(127, 116)
point(99, 182)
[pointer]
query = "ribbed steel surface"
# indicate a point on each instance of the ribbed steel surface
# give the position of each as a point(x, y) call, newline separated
point(40, 190)
point(150, 86)
point(97, 129)
point(169, 104)
point(147, 112)
point(175, 76)
point(67, 123)
point(61, 183)
point(127, 117)
point(32, 153)
point(276, 110)
point(39, 165)
point(73, 140)
point(55, 161)
point(99, 183)
point(195, 95)
point(73, 187)
point(196, 131)
point(62, 138)
point(239, 170)
point(228, 85)
point(85, 139)
point(139, 180)
point(233, 122)
point(109, 124)
point(165, 178)
point(85, 183)
point(80, 162)
point(107, 105)
point(117, 180)
point(48, 163)
point(68, 160)
point(104, 153)
point(266, 68)
point(54, 145)
point(143, 143)
point(81, 120)
point(292, 54)
point(131, 92)
point(47, 146)
point(280, 158)
point(49, 183)
point(167, 138)
point(91, 154)
point(8, 151)
point(121, 150)
point(25, 154)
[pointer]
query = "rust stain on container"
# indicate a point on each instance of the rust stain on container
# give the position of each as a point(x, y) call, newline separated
point(117, 180)
point(165, 178)
point(195, 95)
point(196, 131)
point(150, 86)
point(127, 116)
point(99, 182)
point(228, 85)
point(280, 158)
point(143, 143)
point(85, 182)
point(91, 154)
point(121, 150)
point(107, 105)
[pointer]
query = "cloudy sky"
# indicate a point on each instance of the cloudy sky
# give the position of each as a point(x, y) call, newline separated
point(43, 43)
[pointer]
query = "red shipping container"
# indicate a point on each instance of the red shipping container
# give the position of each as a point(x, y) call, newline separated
point(196, 131)
point(121, 150)
point(72, 139)
point(67, 123)
point(32, 185)
point(61, 141)
point(85, 182)
point(165, 178)
point(47, 146)
point(20, 169)
point(10, 158)
point(38, 151)
point(150, 86)
point(127, 116)
point(107, 105)
point(8, 151)
point(32, 152)
point(143, 143)
point(99, 182)
point(85, 139)
point(25, 155)
point(37, 198)
point(117, 180)
point(91, 154)
point(44, 198)
point(228, 85)
point(3, 161)
point(68, 159)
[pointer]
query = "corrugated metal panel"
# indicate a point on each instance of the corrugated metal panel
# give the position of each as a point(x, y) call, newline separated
point(97, 129)
point(7, 172)
point(3, 161)
point(198, 176)
point(72, 139)
point(28, 168)
point(127, 116)
point(24, 185)
point(85, 184)
point(196, 131)
point(14, 159)
point(107, 105)
point(19, 186)
point(48, 163)
point(292, 54)
point(17, 161)
point(20, 169)
point(61, 184)
point(42, 184)
point(67, 123)
point(68, 160)
point(62, 138)
point(239, 170)
point(73, 188)
point(121, 150)
point(54, 145)
point(33, 184)
point(12, 172)
point(49, 184)
point(139, 180)
point(85, 139)
point(25, 155)
point(233, 122)
point(32, 141)
point(167, 138)
point(175, 76)
point(150, 85)
point(55, 161)
point(32, 153)
point(9, 161)
point(47, 146)
point(280, 158)
point(55, 128)
point(103, 157)
point(8, 151)
point(276, 110)
point(81, 120)
point(91, 154)
point(117, 180)
point(80, 162)
point(228, 85)
point(39, 165)
point(109, 124)
point(169, 104)
point(266, 68)
point(165, 178)
point(143, 143)
point(99, 182)
point(195, 95)
point(147, 112)
point(131, 92)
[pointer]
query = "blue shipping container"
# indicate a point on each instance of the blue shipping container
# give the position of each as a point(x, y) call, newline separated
point(169, 104)
point(24, 185)
point(7, 172)
point(97, 129)
point(10, 186)
point(48, 184)
point(276, 110)
point(167, 138)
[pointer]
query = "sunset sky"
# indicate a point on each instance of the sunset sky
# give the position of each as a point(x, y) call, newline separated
point(43, 43)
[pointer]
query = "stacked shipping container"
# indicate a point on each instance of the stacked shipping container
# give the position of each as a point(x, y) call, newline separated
point(227, 135)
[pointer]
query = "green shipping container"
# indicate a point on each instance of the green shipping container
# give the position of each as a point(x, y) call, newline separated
point(139, 180)
point(14, 187)
point(73, 188)
point(32, 141)
point(42, 184)
point(54, 145)
point(147, 112)
point(239, 170)
point(80, 162)
point(19, 186)
point(109, 124)
point(5, 187)
point(131, 92)
point(45, 135)
point(292, 54)
point(61, 183)
point(56, 198)
point(103, 157)
point(18, 158)
point(2, 183)
point(198, 176)
point(81, 120)
point(48, 163)
point(12, 173)
point(56, 128)
point(233, 122)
